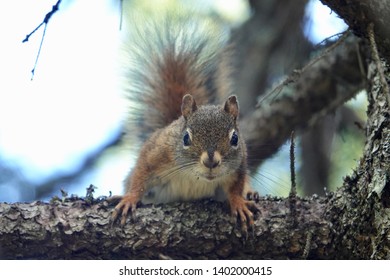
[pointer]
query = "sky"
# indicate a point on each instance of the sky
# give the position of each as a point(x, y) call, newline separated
point(74, 102)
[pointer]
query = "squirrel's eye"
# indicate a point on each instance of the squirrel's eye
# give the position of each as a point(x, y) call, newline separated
point(234, 139)
point(186, 139)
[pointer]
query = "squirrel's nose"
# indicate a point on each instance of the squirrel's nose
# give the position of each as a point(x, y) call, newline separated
point(211, 163)
point(211, 159)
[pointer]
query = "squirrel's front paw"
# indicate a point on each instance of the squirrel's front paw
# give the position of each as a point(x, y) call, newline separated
point(128, 202)
point(240, 209)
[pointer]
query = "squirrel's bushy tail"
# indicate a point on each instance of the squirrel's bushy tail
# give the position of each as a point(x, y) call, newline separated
point(170, 60)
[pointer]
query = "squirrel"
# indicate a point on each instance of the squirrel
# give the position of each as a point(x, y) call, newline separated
point(194, 150)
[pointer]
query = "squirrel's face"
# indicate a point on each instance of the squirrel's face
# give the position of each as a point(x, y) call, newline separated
point(211, 146)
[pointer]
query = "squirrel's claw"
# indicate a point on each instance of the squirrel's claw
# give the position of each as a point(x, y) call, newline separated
point(240, 211)
point(127, 203)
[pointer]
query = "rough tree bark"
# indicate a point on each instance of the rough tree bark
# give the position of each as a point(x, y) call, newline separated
point(203, 229)
point(354, 222)
point(360, 212)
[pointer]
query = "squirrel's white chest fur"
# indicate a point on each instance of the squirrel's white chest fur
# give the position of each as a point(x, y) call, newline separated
point(185, 188)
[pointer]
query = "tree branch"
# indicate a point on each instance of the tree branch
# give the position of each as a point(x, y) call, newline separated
point(198, 230)
point(44, 22)
point(320, 89)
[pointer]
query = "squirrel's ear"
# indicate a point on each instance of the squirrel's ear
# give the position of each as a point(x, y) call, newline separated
point(188, 106)
point(231, 106)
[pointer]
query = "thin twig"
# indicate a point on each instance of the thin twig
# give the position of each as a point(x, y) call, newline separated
point(340, 34)
point(39, 53)
point(44, 22)
point(375, 54)
point(293, 191)
point(32, 32)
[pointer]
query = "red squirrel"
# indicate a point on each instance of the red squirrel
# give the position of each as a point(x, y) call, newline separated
point(195, 149)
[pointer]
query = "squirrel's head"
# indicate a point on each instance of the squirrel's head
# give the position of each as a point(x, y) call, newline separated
point(211, 143)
